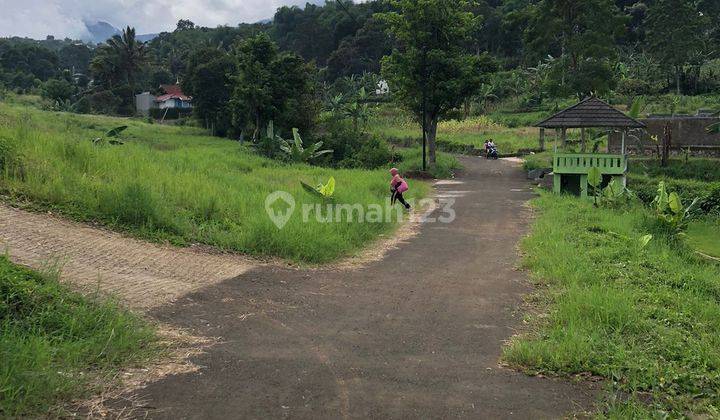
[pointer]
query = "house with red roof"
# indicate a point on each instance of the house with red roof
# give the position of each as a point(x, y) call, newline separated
point(171, 96)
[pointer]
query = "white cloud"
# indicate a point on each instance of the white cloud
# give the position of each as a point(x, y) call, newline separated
point(38, 18)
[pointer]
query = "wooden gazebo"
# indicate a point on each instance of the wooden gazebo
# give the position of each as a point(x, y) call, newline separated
point(571, 169)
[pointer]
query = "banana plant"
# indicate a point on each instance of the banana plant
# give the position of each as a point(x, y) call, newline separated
point(615, 194)
point(115, 132)
point(325, 191)
point(670, 209)
point(296, 152)
point(594, 180)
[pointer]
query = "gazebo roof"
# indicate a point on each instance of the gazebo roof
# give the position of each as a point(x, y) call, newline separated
point(590, 112)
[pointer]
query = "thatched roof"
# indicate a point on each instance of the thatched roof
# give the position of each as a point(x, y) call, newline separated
point(591, 112)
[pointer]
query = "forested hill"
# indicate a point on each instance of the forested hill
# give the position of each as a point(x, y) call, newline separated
point(560, 47)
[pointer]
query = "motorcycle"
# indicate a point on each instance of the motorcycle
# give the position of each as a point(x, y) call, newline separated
point(491, 152)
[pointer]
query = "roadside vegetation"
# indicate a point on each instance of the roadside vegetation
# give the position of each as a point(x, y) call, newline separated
point(57, 346)
point(643, 315)
point(455, 134)
point(174, 184)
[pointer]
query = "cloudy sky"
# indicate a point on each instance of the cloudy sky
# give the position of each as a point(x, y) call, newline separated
point(38, 18)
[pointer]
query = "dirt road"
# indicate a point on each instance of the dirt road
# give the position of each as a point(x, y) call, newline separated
point(415, 335)
point(141, 274)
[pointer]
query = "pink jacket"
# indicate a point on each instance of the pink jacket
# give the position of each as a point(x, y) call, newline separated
point(403, 184)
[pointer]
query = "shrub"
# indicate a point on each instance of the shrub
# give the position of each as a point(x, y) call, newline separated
point(707, 193)
point(373, 153)
point(634, 87)
point(58, 90)
point(82, 106)
point(104, 102)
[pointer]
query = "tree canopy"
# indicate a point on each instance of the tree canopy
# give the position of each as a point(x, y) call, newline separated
point(430, 71)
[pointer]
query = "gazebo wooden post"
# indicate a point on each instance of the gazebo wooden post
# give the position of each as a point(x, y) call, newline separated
point(622, 147)
point(582, 140)
point(563, 139)
point(542, 139)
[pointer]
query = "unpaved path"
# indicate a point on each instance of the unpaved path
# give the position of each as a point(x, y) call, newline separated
point(416, 335)
point(142, 274)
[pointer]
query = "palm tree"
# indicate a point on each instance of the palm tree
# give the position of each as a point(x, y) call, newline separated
point(105, 68)
point(132, 54)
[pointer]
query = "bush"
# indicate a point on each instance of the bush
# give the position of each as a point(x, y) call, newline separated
point(82, 106)
point(58, 90)
point(708, 193)
point(104, 102)
point(374, 153)
point(634, 87)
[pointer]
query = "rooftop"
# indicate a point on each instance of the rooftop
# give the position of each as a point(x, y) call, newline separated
point(590, 112)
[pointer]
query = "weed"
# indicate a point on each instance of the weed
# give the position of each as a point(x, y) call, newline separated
point(54, 343)
point(644, 315)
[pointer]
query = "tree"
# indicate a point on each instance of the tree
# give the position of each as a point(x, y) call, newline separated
point(674, 34)
point(361, 52)
point(581, 38)
point(270, 85)
point(430, 73)
point(208, 81)
point(185, 24)
point(58, 90)
point(132, 54)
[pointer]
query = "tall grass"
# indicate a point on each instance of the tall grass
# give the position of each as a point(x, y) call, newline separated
point(175, 184)
point(704, 236)
point(471, 131)
point(54, 343)
point(699, 169)
point(445, 165)
point(647, 319)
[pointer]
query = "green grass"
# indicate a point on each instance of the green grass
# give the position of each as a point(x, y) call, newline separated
point(54, 343)
point(538, 161)
point(699, 169)
point(445, 166)
point(664, 104)
point(176, 184)
point(395, 126)
point(647, 319)
point(704, 236)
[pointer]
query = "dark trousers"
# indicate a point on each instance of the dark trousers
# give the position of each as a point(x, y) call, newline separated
point(399, 197)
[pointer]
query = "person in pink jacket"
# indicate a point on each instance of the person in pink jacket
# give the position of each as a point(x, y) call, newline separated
point(397, 187)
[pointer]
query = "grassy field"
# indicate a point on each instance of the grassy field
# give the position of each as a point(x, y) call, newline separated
point(645, 318)
point(445, 166)
point(396, 126)
point(704, 235)
point(175, 184)
point(699, 169)
point(54, 344)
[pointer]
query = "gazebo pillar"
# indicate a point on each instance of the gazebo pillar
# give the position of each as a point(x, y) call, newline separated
point(563, 137)
point(582, 140)
point(542, 139)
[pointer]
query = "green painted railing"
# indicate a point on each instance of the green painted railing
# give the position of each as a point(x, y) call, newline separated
point(580, 163)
